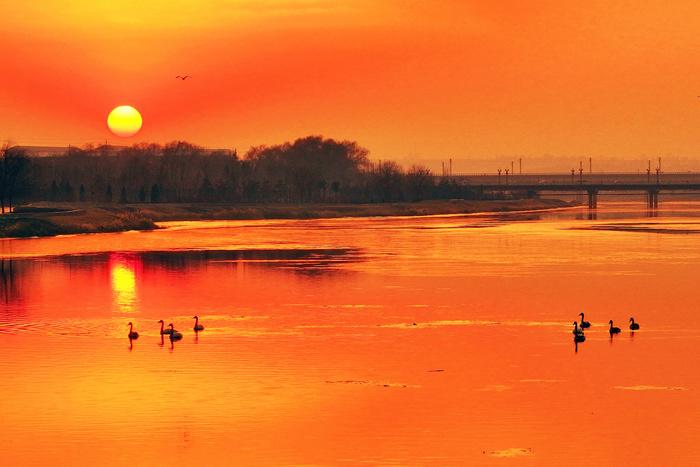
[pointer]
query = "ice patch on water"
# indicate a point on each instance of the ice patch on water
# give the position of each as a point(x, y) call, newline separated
point(430, 324)
point(510, 452)
point(473, 322)
point(539, 381)
point(372, 383)
point(495, 388)
point(643, 387)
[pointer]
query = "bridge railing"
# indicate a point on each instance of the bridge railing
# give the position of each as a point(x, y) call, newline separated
point(612, 178)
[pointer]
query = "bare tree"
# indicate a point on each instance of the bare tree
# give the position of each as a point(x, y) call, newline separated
point(386, 181)
point(419, 181)
point(15, 164)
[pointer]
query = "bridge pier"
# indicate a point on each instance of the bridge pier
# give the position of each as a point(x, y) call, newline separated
point(653, 199)
point(592, 199)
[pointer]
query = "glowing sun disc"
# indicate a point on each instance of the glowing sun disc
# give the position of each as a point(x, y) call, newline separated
point(124, 121)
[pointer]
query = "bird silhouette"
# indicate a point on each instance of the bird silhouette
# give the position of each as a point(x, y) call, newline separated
point(613, 329)
point(183, 78)
point(174, 335)
point(584, 324)
point(132, 334)
point(633, 325)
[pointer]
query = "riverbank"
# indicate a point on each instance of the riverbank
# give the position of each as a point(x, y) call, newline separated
point(47, 219)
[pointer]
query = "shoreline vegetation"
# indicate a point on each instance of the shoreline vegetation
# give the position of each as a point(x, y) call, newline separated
point(50, 219)
point(311, 171)
point(113, 189)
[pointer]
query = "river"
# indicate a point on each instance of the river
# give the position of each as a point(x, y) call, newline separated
point(440, 340)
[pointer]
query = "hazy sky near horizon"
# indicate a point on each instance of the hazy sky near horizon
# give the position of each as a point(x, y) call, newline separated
point(407, 79)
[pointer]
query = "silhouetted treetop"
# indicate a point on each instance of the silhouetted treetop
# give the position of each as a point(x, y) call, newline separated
point(308, 163)
point(310, 169)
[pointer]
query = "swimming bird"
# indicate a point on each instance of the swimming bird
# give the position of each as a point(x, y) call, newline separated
point(174, 335)
point(579, 337)
point(633, 326)
point(613, 330)
point(183, 78)
point(584, 324)
point(164, 331)
point(132, 334)
point(577, 331)
point(197, 326)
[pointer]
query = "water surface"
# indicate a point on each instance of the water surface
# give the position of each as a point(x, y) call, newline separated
point(441, 340)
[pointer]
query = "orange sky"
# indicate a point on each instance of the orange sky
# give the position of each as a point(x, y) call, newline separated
point(411, 80)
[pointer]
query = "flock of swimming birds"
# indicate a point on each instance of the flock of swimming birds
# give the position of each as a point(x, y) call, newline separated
point(170, 331)
point(175, 335)
point(580, 336)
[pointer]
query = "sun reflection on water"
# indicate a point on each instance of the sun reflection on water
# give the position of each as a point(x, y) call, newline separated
point(123, 275)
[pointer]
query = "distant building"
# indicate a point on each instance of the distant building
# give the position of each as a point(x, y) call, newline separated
point(45, 151)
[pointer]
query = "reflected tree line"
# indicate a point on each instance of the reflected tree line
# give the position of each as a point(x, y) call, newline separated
point(16, 275)
point(309, 170)
point(9, 286)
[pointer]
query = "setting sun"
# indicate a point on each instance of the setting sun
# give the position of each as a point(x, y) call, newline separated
point(124, 121)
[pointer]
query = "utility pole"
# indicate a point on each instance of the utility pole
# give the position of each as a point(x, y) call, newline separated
point(658, 172)
point(649, 171)
point(450, 167)
point(580, 172)
point(520, 163)
point(590, 165)
point(443, 168)
point(506, 176)
point(512, 171)
point(499, 176)
point(573, 172)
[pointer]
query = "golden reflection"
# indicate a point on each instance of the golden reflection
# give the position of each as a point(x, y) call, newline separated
point(123, 273)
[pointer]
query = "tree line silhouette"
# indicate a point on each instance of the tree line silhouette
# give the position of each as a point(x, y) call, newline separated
point(309, 170)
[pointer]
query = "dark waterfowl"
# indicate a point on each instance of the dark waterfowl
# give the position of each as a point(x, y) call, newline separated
point(197, 327)
point(577, 331)
point(164, 331)
point(132, 334)
point(613, 329)
point(174, 335)
point(584, 324)
point(633, 326)
point(579, 337)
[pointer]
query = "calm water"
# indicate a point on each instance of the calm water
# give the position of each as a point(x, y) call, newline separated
point(311, 356)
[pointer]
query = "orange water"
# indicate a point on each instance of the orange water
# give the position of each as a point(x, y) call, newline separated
point(310, 354)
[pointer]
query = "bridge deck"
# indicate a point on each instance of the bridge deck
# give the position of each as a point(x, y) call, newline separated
point(590, 187)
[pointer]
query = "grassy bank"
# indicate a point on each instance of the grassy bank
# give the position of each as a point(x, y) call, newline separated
point(63, 219)
point(45, 219)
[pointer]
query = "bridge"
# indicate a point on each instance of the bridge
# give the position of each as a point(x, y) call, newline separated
point(589, 183)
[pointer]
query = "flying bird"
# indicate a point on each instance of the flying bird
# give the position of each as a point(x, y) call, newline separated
point(183, 78)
